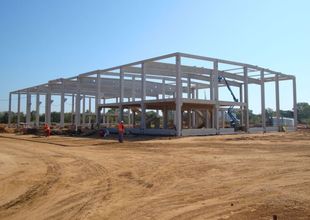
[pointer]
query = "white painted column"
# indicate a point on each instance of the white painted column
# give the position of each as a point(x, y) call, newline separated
point(38, 103)
point(277, 100)
point(89, 109)
point(262, 93)
point(18, 109)
point(28, 109)
point(246, 99)
point(10, 110)
point(143, 95)
point(295, 103)
point(178, 109)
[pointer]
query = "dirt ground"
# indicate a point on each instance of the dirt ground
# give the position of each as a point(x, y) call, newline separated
point(217, 177)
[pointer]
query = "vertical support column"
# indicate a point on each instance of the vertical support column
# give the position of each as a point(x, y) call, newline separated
point(62, 109)
point(189, 117)
point(18, 110)
point(246, 99)
point(223, 119)
point(188, 87)
point(133, 89)
point(104, 114)
point(262, 94)
point(10, 110)
point(241, 107)
point(163, 89)
point(62, 105)
point(277, 101)
point(89, 109)
point(207, 119)
point(178, 108)
point(121, 95)
point(295, 103)
point(72, 109)
point(83, 114)
point(216, 96)
point(78, 104)
point(48, 102)
point(143, 95)
point(165, 117)
point(193, 110)
point(28, 109)
point(38, 110)
point(129, 116)
point(98, 99)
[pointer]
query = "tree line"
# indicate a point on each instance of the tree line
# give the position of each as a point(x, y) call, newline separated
point(303, 115)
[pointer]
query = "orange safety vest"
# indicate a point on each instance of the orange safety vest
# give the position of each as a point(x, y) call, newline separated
point(121, 128)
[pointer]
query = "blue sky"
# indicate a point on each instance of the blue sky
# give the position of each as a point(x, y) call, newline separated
point(43, 40)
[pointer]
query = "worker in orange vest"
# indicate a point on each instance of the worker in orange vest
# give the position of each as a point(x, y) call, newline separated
point(47, 130)
point(121, 130)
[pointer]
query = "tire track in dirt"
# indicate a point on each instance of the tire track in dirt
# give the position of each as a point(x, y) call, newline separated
point(76, 206)
point(34, 192)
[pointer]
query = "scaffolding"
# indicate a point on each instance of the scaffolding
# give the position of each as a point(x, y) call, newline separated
point(183, 96)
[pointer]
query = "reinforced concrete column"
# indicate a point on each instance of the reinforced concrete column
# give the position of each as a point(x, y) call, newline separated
point(98, 98)
point(78, 105)
point(246, 99)
point(10, 110)
point(89, 109)
point(104, 114)
point(72, 109)
point(223, 119)
point(241, 107)
point(18, 109)
point(262, 94)
point(163, 89)
point(38, 103)
point(133, 89)
point(121, 95)
point(83, 114)
point(193, 112)
point(295, 102)
point(188, 88)
point(28, 108)
point(165, 118)
point(277, 101)
point(48, 102)
point(178, 108)
point(62, 109)
point(216, 96)
point(143, 95)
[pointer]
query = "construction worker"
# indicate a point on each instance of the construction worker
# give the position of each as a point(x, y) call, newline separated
point(121, 130)
point(47, 130)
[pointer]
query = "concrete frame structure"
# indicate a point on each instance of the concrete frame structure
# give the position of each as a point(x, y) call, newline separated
point(163, 84)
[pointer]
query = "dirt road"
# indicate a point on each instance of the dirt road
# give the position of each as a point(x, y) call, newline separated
point(220, 177)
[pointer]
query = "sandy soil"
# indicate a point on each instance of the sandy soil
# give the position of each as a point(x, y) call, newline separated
point(220, 177)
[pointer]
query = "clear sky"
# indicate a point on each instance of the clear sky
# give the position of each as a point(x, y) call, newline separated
point(44, 40)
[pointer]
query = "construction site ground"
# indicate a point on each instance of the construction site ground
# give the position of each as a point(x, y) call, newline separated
point(246, 176)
